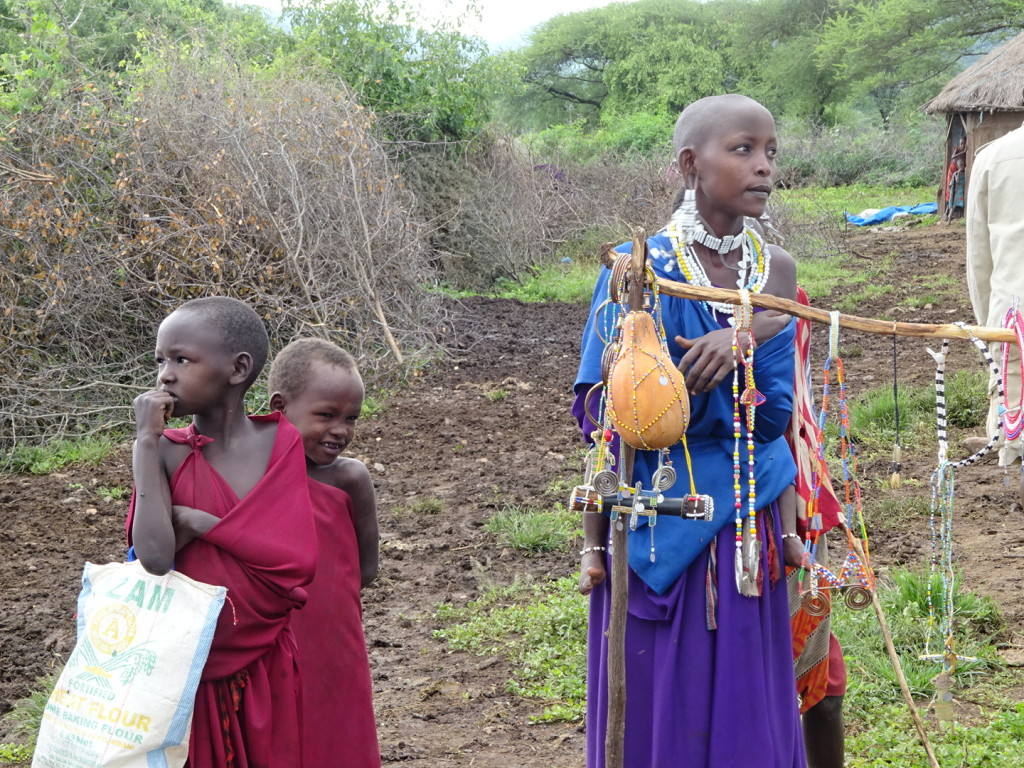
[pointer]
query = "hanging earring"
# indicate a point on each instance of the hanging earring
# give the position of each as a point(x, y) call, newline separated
point(686, 214)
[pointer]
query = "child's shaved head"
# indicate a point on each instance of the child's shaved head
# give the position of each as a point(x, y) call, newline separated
point(292, 366)
point(699, 121)
point(240, 328)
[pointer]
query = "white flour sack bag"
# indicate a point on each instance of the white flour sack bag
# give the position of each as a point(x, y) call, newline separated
point(126, 695)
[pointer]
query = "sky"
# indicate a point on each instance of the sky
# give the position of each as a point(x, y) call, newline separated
point(503, 23)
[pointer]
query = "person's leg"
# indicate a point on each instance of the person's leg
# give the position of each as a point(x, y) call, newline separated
point(823, 733)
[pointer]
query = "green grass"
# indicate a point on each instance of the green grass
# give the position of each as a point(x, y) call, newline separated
point(497, 395)
point(572, 282)
point(541, 629)
point(110, 494)
point(904, 598)
point(809, 202)
point(53, 456)
point(428, 506)
point(854, 301)
point(873, 413)
point(25, 717)
point(533, 530)
point(14, 754)
point(373, 404)
point(819, 276)
point(879, 729)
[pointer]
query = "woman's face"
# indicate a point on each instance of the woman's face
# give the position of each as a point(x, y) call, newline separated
point(735, 166)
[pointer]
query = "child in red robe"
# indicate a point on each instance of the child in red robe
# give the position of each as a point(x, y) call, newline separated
point(223, 501)
point(317, 386)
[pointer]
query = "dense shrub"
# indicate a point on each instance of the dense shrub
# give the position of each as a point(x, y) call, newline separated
point(901, 156)
point(620, 138)
point(499, 209)
point(211, 181)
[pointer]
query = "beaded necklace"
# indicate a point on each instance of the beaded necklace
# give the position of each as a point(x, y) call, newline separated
point(1013, 418)
point(941, 619)
point(755, 254)
point(855, 577)
point(748, 546)
point(720, 245)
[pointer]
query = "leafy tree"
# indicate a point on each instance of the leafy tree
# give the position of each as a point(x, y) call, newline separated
point(650, 55)
point(770, 47)
point(433, 83)
point(51, 47)
point(881, 48)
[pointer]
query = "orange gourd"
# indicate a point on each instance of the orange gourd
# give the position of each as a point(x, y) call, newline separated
point(647, 399)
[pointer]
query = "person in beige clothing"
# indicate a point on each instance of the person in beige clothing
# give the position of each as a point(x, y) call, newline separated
point(995, 262)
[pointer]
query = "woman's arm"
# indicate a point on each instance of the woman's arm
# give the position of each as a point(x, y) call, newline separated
point(595, 534)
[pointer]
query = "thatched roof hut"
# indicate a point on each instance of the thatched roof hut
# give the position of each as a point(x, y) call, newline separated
point(983, 102)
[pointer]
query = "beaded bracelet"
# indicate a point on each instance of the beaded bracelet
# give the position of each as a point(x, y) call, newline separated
point(790, 536)
point(585, 550)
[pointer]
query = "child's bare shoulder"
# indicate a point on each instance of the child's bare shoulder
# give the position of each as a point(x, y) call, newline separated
point(172, 454)
point(345, 473)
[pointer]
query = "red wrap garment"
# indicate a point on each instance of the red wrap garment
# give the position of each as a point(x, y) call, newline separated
point(248, 710)
point(337, 692)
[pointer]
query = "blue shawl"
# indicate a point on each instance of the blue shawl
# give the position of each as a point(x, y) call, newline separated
point(677, 541)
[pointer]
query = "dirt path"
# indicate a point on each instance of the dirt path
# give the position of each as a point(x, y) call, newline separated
point(444, 439)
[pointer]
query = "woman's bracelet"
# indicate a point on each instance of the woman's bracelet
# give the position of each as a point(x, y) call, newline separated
point(587, 550)
point(790, 536)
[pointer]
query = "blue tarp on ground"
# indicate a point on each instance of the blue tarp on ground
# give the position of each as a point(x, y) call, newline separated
point(885, 214)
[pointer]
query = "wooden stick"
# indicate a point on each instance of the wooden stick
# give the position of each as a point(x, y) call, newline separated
point(895, 659)
point(615, 732)
point(616, 724)
point(866, 324)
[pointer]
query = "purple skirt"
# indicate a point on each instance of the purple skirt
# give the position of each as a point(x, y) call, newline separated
point(699, 698)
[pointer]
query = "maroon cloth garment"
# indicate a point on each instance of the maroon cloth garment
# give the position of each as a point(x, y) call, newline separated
point(337, 693)
point(247, 712)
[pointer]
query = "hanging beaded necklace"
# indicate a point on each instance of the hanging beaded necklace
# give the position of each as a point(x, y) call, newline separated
point(856, 578)
point(748, 546)
point(754, 266)
point(941, 619)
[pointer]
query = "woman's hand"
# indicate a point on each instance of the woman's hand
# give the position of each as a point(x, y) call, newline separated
point(792, 552)
point(708, 360)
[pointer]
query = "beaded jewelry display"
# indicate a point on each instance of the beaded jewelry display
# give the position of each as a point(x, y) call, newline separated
point(754, 266)
point(602, 474)
point(855, 578)
point(748, 545)
point(941, 615)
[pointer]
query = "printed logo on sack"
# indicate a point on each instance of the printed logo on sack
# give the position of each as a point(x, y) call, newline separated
point(112, 629)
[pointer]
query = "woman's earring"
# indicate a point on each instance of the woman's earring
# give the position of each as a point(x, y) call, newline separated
point(688, 214)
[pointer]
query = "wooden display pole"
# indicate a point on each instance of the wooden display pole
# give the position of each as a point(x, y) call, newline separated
point(894, 659)
point(616, 724)
point(865, 324)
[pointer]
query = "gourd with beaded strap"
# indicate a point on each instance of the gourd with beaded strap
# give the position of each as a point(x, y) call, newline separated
point(647, 399)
